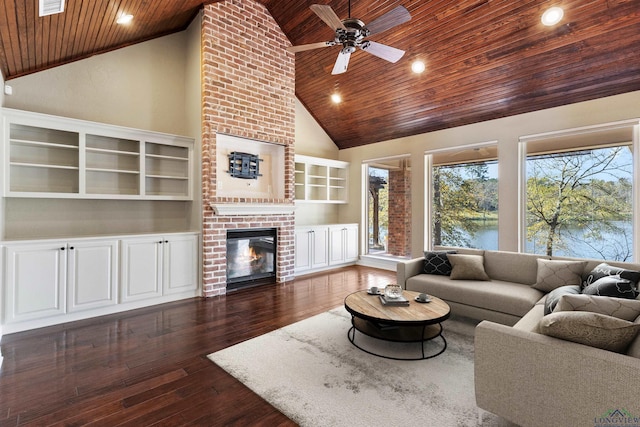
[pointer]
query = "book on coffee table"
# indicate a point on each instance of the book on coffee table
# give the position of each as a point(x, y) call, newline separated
point(400, 301)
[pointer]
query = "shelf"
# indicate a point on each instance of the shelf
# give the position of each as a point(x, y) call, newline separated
point(320, 180)
point(76, 158)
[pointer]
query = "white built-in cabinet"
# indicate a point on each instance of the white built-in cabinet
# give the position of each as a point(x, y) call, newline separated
point(325, 246)
point(319, 180)
point(158, 265)
point(58, 157)
point(48, 282)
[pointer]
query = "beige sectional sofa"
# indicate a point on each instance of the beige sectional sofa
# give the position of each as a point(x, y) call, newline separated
point(522, 375)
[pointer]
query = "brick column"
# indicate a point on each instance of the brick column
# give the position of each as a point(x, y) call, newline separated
point(399, 233)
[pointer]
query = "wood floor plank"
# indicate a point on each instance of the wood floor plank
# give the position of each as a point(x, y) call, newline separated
point(149, 367)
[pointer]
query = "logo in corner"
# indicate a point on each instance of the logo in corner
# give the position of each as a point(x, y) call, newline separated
point(617, 418)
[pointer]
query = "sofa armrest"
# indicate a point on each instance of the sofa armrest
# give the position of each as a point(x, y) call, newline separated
point(533, 379)
point(408, 268)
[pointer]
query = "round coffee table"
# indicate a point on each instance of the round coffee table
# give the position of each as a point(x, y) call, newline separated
point(417, 322)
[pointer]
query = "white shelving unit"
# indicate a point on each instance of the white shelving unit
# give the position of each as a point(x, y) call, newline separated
point(320, 180)
point(57, 157)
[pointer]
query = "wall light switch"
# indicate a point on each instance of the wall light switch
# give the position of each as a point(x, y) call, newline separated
point(8, 90)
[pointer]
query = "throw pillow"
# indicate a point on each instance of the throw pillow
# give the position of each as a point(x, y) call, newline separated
point(621, 308)
point(612, 286)
point(604, 270)
point(554, 296)
point(554, 273)
point(592, 329)
point(436, 262)
point(467, 267)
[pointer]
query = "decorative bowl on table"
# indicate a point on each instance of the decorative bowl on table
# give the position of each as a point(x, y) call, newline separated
point(393, 291)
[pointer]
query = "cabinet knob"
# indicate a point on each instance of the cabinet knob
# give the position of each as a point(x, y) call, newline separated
point(160, 242)
point(166, 241)
point(62, 248)
point(71, 248)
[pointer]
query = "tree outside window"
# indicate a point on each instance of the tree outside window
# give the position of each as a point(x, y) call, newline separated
point(579, 203)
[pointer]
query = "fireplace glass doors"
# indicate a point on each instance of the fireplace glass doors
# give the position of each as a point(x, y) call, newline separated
point(251, 255)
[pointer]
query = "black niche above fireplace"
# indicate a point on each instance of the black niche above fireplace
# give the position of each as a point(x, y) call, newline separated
point(251, 257)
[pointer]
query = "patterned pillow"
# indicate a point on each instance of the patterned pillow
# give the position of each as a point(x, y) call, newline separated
point(621, 308)
point(612, 286)
point(436, 262)
point(592, 329)
point(554, 273)
point(604, 270)
point(467, 267)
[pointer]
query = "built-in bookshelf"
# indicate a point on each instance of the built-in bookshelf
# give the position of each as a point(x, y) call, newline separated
point(320, 180)
point(50, 156)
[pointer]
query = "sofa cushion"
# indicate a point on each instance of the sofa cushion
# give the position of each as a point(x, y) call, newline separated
point(467, 267)
point(612, 286)
point(554, 296)
point(506, 297)
point(621, 308)
point(512, 266)
point(555, 273)
point(634, 347)
point(593, 329)
point(604, 270)
point(436, 262)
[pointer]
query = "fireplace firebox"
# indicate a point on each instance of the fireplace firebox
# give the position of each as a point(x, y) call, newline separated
point(251, 255)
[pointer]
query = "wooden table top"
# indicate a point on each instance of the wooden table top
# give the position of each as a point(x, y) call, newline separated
point(366, 306)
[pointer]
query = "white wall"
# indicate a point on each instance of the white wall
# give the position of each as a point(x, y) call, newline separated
point(312, 140)
point(506, 131)
point(143, 86)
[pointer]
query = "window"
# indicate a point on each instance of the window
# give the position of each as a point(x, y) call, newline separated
point(463, 197)
point(579, 195)
point(388, 213)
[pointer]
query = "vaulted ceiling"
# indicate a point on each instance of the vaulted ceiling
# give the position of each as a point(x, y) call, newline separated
point(485, 59)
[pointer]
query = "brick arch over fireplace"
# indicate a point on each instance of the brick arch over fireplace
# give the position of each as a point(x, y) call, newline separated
point(248, 91)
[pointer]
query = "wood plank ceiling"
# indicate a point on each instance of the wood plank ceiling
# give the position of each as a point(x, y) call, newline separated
point(485, 58)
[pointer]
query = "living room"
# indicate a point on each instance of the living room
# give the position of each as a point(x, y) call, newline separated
point(156, 85)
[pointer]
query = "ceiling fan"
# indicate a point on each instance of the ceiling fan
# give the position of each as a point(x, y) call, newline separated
point(350, 33)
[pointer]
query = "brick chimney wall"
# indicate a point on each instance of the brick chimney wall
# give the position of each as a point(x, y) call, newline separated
point(399, 233)
point(248, 87)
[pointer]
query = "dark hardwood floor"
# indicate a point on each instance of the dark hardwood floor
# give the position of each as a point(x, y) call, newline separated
point(149, 367)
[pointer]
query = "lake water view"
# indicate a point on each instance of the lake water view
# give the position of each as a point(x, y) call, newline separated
point(487, 238)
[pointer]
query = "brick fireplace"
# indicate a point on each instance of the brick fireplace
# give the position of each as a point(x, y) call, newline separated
point(249, 92)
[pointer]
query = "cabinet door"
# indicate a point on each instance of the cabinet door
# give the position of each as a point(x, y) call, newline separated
point(351, 251)
point(141, 272)
point(92, 274)
point(180, 264)
point(303, 239)
point(336, 245)
point(35, 280)
point(320, 247)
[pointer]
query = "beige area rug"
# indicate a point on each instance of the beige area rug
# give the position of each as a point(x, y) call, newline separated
point(313, 374)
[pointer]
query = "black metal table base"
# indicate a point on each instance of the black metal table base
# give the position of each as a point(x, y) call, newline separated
point(386, 332)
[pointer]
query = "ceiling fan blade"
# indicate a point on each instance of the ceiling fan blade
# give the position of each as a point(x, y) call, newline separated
point(397, 16)
point(327, 14)
point(303, 47)
point(383, 51)
point(341, 63)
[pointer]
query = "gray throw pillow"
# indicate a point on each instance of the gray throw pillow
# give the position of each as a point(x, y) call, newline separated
point(467, 267)
point(555, 273)
point(554, 296)
point(612, 286)
point(592, 329)
point(436, 262)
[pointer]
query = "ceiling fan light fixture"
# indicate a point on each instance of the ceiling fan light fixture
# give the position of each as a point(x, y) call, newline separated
point(124, 19)
point(552, 16)
point(418, 66)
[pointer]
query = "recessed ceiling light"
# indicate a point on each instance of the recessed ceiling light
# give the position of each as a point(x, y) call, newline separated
point(336, 98)
point(125, 18)
point(552, 16)
point(418, 67)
